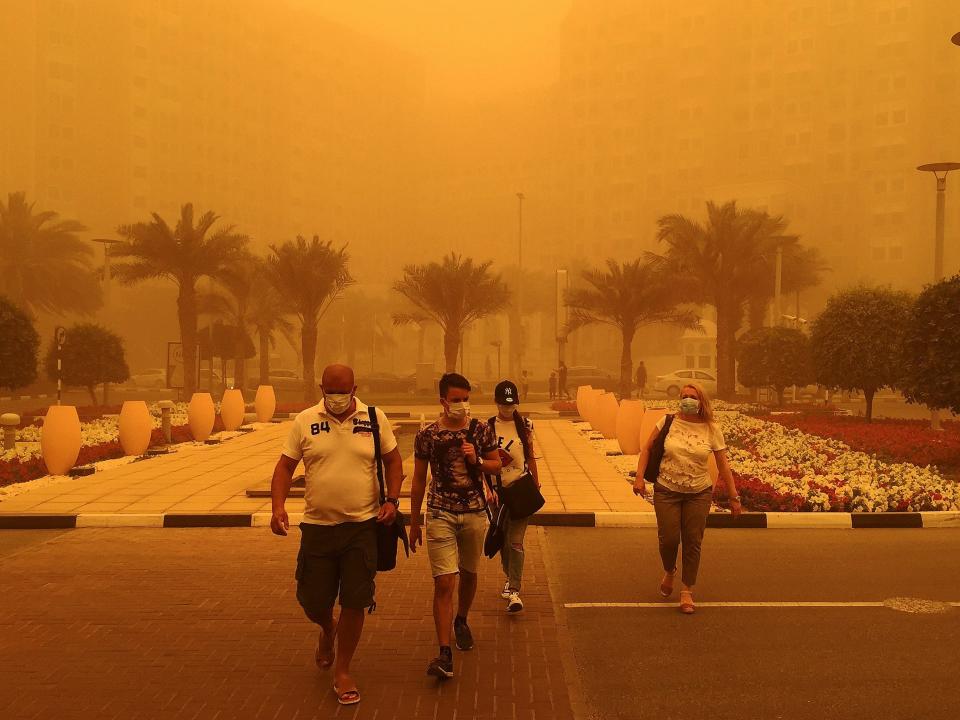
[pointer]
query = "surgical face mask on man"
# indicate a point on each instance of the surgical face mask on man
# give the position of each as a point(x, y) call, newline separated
point(458, 410)
point(337, 403)
point(689, 406)
point(506, 411)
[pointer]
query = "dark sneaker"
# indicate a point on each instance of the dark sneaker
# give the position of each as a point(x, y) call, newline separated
point(463, 635)
point(441, 667)
point(514, 603)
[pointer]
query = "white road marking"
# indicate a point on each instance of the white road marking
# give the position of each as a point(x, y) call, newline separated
point(788, 604)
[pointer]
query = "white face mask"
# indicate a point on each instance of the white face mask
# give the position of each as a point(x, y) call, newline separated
point(506, 411)
point(458, 410)
point(337, 403)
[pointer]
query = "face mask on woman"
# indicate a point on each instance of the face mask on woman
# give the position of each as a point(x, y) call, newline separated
point(689, 406)
point(337, 403)
point(506, 411)
point(458, 410)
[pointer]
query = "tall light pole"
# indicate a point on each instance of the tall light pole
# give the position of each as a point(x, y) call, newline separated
point(106, 242)
point(778, 277)
point(520, 198)
point(939, 171)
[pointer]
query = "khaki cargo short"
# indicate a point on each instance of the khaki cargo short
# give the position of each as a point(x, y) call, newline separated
point(455, 541)
point(336, 560)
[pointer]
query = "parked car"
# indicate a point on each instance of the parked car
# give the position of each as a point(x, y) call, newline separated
point(589, 375)
point(384, 382)
point(280, 379)
point(671, 383)
point(152, 378)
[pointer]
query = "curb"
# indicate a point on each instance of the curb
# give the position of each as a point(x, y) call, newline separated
point(772, 521)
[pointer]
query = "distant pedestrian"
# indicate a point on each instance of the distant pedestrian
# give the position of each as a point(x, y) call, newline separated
point(515, 446)
point(562, 379)
point(338, 545)
point(683, 490)
point(553, 384)
point(524, 385)
point(458, 450)
point(641, 379)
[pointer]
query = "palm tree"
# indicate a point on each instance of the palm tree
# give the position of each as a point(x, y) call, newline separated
point(308, 275)
point(626, 296)
point(183, 254)
point(267, 315)
point(44, 266)
point(803, 268)
point(453, 293)
point(720, 263)
point(230, 299)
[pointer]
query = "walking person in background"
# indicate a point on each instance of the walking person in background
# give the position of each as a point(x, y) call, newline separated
point(641, 379)
point(683, 490)
point(553, 384)
point(515, 447)
point(458, 451)
point(562, 378)
point(338, 545)
point(525, 384)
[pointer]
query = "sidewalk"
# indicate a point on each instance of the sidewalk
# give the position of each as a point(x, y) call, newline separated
point(204, 624)
point(204, 479)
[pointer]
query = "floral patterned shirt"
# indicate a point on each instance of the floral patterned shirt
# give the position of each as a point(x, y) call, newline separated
point(452, 487)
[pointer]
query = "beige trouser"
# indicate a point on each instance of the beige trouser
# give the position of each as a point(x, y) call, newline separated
point(681, 517)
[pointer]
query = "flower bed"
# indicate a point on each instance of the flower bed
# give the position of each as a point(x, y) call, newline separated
point(98, 438)
point(909, 441)
point(781, 469)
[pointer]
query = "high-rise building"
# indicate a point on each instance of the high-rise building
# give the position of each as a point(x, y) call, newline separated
point(816, 110)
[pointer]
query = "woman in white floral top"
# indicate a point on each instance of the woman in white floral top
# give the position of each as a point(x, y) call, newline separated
point(683, 490)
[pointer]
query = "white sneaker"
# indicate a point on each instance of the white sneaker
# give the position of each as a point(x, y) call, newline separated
point(505, 593)
point(514, 603)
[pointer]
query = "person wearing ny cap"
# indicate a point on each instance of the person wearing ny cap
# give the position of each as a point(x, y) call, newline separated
point(514, 435)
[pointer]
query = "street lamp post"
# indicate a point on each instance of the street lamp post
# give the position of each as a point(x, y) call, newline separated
point(106, 242)
point(520, 198)
point(939, 171)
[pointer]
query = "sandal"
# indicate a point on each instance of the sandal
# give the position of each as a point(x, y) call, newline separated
point(666, 589)
point(347, 697)
point(686, 602)
point(325, 662)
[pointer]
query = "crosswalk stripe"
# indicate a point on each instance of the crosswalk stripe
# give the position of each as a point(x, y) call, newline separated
point(782, 604)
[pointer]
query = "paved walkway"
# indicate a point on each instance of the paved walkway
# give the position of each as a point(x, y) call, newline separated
point(214, 479)
point(203, 623)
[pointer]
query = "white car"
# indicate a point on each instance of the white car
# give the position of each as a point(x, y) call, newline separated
point(153, 378)
point(671, 383)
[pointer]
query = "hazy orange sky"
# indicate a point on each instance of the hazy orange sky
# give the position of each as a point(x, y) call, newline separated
point(468, 48)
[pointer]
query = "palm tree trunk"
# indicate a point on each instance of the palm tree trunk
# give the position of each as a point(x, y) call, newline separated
point(451, 348)
point(758, 313)
point(240, 373)
point(187, 316)
point(726, 351)
point(93, 395)
point(868, 394)
point(626, 363)
point(264, 356)
point(308, 346)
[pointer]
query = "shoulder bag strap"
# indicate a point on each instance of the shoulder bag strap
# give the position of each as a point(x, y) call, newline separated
point(492, 422)
point(378, 459)
point(476, 472)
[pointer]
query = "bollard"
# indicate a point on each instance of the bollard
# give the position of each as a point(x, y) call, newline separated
point(10, 423)
point(165, 407)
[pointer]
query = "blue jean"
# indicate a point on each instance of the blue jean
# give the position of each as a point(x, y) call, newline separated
point(511, 554)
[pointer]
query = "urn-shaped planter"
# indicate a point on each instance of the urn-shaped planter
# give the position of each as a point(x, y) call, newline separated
point(232, 409)
point(201, 415)
point(629, 419)
point(265, 403)
point(60, 439)
point(582, 393)
point(136, 426)
point(648, 423)
point(605, 412)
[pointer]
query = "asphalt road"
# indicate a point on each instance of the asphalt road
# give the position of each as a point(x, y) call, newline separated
point(736, 662)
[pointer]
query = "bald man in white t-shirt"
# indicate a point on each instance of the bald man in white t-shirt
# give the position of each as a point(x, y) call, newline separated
point(338, 548)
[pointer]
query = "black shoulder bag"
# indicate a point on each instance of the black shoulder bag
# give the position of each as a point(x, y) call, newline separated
point(497, 521)
point(652, 473)
point(387, 535)
point(522, 497)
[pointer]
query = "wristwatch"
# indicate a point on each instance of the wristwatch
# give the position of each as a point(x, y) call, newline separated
point(395, 501)
point(734, 498)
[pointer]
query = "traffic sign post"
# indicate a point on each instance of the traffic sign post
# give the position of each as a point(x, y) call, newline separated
point(60, 335)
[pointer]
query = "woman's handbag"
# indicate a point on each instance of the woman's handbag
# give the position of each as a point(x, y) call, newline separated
point(656, 452)
point(496, 532)
point(387, 535)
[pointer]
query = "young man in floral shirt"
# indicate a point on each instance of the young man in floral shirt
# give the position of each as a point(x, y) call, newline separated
point(458, 451)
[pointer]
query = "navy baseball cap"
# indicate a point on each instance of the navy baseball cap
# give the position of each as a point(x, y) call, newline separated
point(506, 394)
